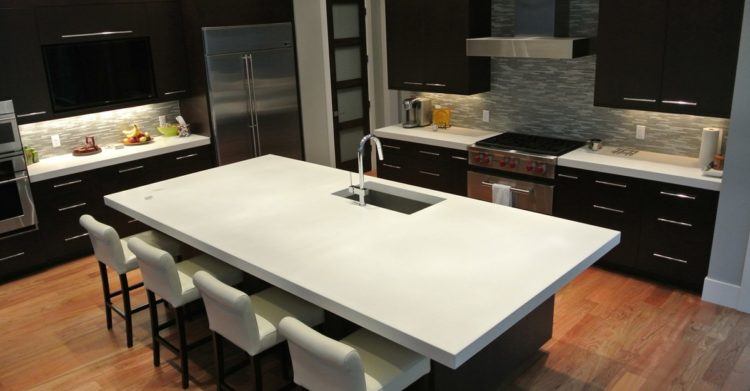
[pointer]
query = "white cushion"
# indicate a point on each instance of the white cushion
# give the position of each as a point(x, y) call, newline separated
point(187, 269)
point(388, 366)
point(272, 305)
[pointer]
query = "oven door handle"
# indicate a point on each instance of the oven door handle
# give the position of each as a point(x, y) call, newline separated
point(513, 189)
point(18, 179)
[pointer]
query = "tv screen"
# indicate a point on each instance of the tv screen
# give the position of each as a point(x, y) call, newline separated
point(89, 74)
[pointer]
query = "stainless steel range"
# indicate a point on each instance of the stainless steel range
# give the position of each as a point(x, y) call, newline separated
point(524, 162)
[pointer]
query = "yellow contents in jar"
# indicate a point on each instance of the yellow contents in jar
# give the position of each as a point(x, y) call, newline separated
point(441, 117)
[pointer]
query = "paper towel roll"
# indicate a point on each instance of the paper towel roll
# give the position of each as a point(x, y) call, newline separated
point(710, 146)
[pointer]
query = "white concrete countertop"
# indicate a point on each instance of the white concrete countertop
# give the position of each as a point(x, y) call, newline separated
point(453, 137)
point(678, 170)
point(444, 281)
point(68, 164)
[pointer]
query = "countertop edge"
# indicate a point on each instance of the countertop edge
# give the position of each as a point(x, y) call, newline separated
point(56, 173)
point(388, 132)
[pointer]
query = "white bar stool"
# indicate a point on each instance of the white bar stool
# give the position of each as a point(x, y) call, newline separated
point(111, 251)
point(362, 361)
point(173, 282)
point(250, 322)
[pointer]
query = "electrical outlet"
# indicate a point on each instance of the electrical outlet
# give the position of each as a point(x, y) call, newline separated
point(640, 132)
point(486, 115)
point(55, 140)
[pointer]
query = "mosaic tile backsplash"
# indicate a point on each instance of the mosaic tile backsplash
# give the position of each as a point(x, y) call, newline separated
point(106, 127)
point(556, 97)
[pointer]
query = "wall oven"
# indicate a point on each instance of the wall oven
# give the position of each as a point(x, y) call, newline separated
point(10, 138)
point(16, 204)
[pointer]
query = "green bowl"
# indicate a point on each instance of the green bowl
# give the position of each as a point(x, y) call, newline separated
point(168, 131)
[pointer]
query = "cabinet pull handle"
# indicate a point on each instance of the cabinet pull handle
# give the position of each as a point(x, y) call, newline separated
point(391, 146)
point(670, 258)
point(680, 103)
point(8, 258)
point(76, 237)
point(608, 209)
point(642, 100)
point(674, 222)
point(392, 166)
point(435, 84)
point(513, 189)
point(460, 158)
point(567, 176)
point(71, 183)
point(97, 34)
point(612, 184)
point(174, 92)
point(429, 153)
point(130, 169)
point(132, 221)
point(34, 114)
point(677, 195)
point(82, 204)
point(14, 180)
point(186, 156)
point(413, 83)
point(430, 173)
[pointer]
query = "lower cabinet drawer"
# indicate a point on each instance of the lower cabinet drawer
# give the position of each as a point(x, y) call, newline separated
point(626, 253)
point(20, 254)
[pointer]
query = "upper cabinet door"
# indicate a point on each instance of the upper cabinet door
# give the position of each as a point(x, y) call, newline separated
point(168, 48)
point(630, 53)
point(427, 45)
point(91, 22)
point(700, 58)
point(405, 29)
point(22, 76)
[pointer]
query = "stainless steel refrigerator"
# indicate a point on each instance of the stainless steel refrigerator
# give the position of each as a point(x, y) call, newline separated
point(252, 89)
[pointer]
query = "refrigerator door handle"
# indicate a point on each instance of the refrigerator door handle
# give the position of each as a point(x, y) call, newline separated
point(254, 112)
point(250, 84)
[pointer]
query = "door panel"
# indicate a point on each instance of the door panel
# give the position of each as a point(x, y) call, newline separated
point(274, 84)
point(229, 92)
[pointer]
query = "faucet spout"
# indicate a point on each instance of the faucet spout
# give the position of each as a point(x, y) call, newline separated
point(360, 190)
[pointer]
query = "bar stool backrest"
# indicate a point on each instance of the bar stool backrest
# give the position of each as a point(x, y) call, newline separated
point(159, 271)
point(106, 243)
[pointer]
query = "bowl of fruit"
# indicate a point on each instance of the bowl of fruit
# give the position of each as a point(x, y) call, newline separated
point(135, 136)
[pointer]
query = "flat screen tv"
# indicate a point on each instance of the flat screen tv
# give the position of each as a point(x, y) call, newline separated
point(100, 73)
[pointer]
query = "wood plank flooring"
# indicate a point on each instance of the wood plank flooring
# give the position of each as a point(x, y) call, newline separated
point(611, 332)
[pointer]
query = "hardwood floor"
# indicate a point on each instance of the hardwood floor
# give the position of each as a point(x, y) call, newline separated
point(611, 332)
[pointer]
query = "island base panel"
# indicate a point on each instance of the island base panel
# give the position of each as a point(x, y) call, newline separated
point(501, 360)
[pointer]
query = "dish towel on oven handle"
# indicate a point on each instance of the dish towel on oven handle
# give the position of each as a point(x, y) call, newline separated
point(502, 194)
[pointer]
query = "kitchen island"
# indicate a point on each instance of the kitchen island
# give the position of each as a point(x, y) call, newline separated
point(454, 281)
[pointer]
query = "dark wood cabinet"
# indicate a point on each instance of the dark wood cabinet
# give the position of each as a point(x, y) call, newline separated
point(427, 45)
point(670, 56)
point(435, 168)
point(60, 202)
point(168, 47)
point(91, 22)
point(666, 230)
point(22, 76)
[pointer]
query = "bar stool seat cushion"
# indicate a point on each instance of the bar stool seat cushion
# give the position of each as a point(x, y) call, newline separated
point(387, 365)
point(272, 305)
point(187, 269)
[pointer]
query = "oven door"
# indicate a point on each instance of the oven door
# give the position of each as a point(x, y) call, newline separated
point(10, 139)
point(536, 197)
point(16, 205)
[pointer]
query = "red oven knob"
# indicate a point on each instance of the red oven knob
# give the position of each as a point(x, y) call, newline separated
point(513, 164)
point(503, 162)
point(487, 159)
point(530, 167)
point(477, 158)
point(541, 168)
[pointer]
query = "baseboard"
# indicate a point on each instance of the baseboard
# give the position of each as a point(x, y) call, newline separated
point(721, 293)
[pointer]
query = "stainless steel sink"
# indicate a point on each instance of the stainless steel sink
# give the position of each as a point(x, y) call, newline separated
point(393, 198)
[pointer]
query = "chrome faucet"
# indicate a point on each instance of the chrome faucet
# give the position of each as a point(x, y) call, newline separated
point(360, 190)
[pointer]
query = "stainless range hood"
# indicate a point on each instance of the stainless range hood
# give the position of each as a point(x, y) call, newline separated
point(541, 32)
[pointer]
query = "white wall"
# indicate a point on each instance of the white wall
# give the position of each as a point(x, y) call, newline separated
point(310, 20)
point(385, 102)
point(730, 243)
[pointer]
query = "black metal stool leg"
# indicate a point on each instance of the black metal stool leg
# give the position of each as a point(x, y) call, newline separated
point(183, 350)
point(257, 369)
point(107, 296)
point(219, 359)
point(153, 311)
point(128, 309)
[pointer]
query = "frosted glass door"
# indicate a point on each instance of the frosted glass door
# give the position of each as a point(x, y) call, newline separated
point(349, 79)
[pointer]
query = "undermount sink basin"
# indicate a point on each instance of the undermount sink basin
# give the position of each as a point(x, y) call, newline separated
point(393, 198)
